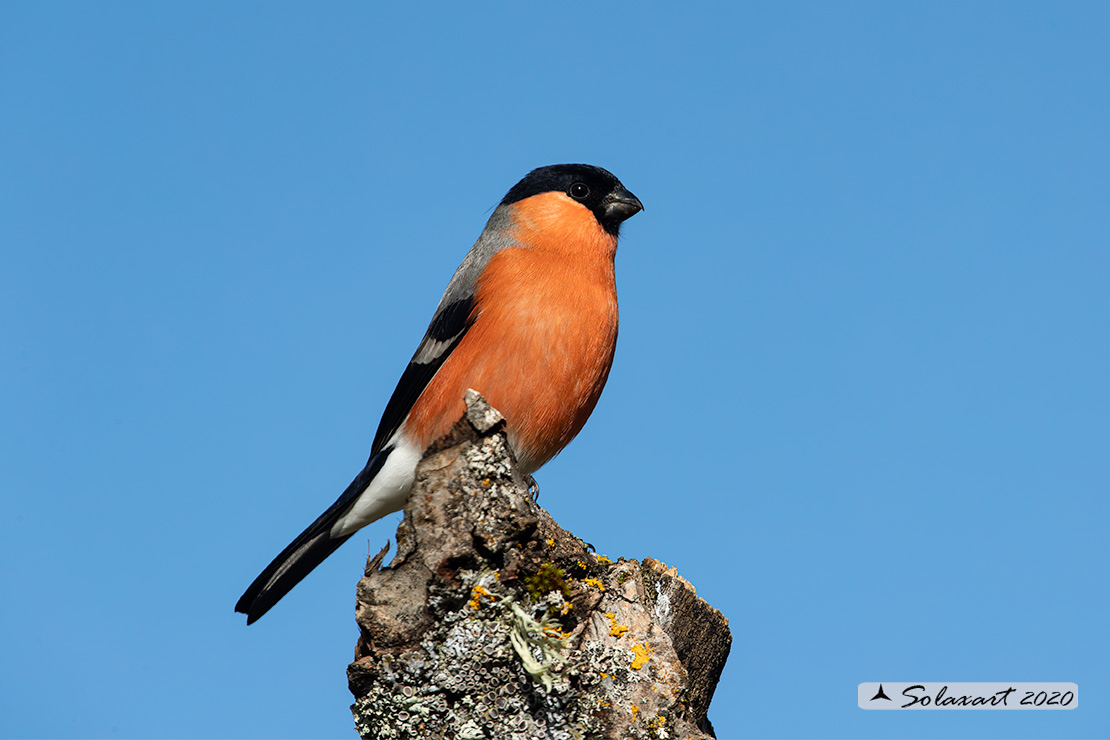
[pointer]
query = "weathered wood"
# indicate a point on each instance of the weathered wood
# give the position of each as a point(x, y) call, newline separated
point(494, 622)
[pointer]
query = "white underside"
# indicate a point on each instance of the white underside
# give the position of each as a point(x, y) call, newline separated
point(388, 491)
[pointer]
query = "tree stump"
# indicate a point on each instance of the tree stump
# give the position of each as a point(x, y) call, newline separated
point(492, 621)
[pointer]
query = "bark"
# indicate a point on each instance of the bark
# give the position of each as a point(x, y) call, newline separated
point(492, 621)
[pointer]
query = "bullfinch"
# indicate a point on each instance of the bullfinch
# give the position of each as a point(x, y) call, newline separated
point(529, 320)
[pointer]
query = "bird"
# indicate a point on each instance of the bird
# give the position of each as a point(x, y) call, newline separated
point(529, 320)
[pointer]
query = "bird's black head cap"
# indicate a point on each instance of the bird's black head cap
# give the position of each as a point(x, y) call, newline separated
point(596, 188)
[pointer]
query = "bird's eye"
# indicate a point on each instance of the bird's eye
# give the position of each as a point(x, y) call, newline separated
point(579, 190)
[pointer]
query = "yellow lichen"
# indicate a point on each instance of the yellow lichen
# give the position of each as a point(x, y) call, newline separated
point(635, 711)
point(555, 632)
point(485, 481)
point(594, 582)
point(567, 606)
point(476, 595)
point(643, 655)
point(603, 559)
point(616, 630)
point(551, 542)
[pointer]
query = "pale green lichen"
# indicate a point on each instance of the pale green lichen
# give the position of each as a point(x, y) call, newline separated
point(530, 634)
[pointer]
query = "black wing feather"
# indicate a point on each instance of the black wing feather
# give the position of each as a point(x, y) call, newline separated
point(451, 324)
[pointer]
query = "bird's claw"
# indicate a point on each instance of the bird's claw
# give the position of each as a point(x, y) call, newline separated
point(533, 488)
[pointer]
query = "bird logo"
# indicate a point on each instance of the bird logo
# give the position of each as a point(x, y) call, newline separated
point(529, 320)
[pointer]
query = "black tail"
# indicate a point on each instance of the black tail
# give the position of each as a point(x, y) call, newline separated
point(286, 571)
point(303, 554)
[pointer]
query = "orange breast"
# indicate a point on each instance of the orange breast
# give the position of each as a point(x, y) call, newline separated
point(543, 337)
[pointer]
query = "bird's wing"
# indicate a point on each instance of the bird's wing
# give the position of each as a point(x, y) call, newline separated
point(450, 324)
point(452, 319)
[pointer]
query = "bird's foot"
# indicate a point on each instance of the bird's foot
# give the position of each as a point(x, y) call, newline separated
point(533, 488)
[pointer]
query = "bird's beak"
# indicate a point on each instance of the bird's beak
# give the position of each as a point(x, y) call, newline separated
point(620, 205)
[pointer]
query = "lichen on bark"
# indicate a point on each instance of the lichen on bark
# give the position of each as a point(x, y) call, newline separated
point(492, 621)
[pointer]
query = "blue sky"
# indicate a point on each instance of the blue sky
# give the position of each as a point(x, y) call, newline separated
point(860, 397)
